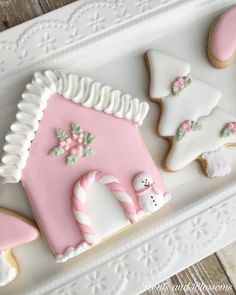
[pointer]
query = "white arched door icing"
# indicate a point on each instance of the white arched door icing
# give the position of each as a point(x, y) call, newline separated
point(116, 208)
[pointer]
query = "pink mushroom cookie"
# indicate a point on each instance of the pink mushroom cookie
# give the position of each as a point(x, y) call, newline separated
point(222, 40)
point(77, 149)
point(14, 231)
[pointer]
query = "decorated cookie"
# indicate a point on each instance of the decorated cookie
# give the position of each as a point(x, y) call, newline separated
point(181, 96)
point(222, 39)
point(190, 118)
point(14, 231)
point(206, 144)
point(78, 168)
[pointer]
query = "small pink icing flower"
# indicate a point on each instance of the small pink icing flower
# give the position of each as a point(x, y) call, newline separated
point(80, 138)
point(73, 151)
point(176, 84)
point(75, 136)
point(187, 125)
point(62, 143)
point(180, 82)
point(80, 149)
point(230, 125)
point(68, 144)
point(68, 140)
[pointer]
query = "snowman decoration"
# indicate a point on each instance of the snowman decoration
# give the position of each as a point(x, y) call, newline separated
point(150, 198)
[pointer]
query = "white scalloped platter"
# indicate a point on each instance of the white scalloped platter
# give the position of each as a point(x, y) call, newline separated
point(106, 40)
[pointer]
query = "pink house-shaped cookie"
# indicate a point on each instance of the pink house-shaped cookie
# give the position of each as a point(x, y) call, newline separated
point(71, 135)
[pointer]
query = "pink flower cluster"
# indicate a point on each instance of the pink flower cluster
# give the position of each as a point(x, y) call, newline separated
point(187, 125)
point(74, 144)
point(179, 82)
point(232, 127)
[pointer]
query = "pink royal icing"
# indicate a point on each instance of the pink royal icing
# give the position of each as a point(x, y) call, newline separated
point(119, 151)
point(14, 231)
point(223, 40)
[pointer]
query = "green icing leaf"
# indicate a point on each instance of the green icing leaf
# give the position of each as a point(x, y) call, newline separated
point(196, 126)
point(175, 90)
point(61, 134)
point(87, 152)
point(181, 133)
point(57, 151)
point(71, 159)
point(88, 138)
point(75, 128)
point(187, 81)
point(225, 132)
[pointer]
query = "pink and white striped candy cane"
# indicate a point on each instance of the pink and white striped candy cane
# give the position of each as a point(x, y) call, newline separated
point(79, 200)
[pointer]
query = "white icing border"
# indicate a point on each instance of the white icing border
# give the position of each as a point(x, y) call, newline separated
point(72, 252)
point(82, 90)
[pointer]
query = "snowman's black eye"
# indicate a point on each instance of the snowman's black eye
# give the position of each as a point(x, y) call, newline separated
point(142, 181)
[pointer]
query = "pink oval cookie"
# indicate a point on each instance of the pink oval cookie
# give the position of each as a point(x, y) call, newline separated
point(222, 41)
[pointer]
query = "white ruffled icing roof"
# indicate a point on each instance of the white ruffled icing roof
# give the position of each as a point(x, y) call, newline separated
point(82, 91)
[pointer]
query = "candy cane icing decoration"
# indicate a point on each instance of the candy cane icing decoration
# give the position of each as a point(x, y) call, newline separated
point(80, 208)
